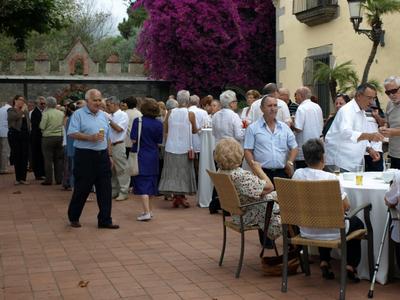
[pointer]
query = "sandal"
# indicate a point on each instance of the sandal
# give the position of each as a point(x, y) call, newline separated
point(176, 201)
point(327, 273)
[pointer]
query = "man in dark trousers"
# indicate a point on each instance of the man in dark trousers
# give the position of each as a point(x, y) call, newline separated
point(36, 138)
point(89, 127)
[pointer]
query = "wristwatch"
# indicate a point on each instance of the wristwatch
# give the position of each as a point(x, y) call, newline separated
point(290, 163)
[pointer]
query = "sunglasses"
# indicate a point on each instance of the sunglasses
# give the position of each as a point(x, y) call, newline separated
point(392, 91)
point(341, 95)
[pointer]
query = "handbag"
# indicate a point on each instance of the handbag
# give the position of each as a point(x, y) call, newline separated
point(133, 156)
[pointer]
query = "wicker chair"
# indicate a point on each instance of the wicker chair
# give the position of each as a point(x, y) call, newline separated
point(229, 200)
point(300, 204)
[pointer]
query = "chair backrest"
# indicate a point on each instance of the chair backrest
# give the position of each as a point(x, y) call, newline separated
point(310, 203)
point(227, 194)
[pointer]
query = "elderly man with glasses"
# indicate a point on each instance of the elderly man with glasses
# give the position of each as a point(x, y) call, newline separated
point(392, 126)
point(348, 139)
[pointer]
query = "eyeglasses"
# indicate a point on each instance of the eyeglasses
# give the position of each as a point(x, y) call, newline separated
point(392, 91)
point(42, 103)
point(341, 95)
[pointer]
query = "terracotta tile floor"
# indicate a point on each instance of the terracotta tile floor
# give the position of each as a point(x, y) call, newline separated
point(175, 256)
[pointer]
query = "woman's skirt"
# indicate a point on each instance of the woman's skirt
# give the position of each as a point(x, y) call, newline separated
point(145, 185)
point(178, 175)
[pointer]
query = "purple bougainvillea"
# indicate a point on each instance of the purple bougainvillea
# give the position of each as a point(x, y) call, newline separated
point(204, 45)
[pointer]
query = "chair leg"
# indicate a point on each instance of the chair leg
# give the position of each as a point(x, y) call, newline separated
point(343, 262)
point(239, 267)
point(276, 249)
point(285, 259)
point(306, 261)
point(224, 242)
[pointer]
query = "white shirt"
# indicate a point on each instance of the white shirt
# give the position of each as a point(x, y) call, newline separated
point(201, 120)
point(132, 115)
point(4, 120)
point(245, 114)
point(179, 136)
point(372, 126)
point(341, 146)
point(392, 196)
point(226, 123)
point(283, 114)
point(310, 121)
point(121, 119)
point(319, 233)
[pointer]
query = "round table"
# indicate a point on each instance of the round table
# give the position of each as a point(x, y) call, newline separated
point(373, 191)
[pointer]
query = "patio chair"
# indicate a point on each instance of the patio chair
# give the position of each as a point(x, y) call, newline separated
point(300, 204)
point(394, 216)
point(229, 200)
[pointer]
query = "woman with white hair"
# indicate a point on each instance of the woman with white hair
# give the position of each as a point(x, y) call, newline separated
point(225, 123)
point(178, 177)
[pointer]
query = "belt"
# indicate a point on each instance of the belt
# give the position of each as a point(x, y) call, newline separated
point(116, 143)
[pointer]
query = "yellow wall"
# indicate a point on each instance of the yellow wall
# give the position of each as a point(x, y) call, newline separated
point(347, 45)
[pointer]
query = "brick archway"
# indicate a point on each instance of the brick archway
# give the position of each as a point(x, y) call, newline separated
point(72, 64)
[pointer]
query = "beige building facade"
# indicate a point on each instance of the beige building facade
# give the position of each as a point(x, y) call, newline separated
point(320, 30)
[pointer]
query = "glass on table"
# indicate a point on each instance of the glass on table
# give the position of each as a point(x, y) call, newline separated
point(388, 163)
point(359, 174)
point(336, 170)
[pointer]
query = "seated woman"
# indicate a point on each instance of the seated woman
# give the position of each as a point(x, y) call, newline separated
point(251, 188)
point(392, 199)
point(314, 151)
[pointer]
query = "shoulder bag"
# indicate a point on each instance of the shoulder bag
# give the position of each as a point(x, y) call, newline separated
point(133, 156)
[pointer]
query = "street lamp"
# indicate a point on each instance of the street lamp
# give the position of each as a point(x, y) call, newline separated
point(376, 33)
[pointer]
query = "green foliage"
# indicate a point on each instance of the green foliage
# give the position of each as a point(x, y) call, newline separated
point(18, 17)
point(135, 20)
point(376, 83)
point(341, 76)
point(376, 8)
point(7, 49)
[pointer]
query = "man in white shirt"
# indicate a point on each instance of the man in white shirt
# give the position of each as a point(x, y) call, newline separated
point(308, 123)
point(348, 139)
point(225, 122)
point(201, 120)
point(133, 113)
point(4, 147)
point(283, 114)
point(119, 124)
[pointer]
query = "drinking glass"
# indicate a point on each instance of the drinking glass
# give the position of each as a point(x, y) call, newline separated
point(336, 170)
point(388, 163)
point(359, 174)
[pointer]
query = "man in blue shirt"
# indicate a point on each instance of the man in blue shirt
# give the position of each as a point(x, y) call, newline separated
point(271, 142)
point(89, 127)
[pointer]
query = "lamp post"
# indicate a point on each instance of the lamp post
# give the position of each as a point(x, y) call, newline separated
point(376, 33)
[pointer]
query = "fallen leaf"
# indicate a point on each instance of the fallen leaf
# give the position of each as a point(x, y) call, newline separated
point(83, 283)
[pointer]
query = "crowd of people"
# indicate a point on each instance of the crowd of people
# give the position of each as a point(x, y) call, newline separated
point(85, 146)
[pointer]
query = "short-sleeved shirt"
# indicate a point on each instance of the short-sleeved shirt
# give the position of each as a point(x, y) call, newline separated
point(84, 121)
point(122, 120)
point(270, 149)
point(393, 197)
point(393, 120)
point(319, 233)
point(226, 123)
point(310, 121)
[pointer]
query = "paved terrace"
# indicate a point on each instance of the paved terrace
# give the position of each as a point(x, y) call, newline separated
point(172, 257)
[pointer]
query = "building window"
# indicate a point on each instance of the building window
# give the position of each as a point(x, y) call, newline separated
point(319, 89)
point(314, 12)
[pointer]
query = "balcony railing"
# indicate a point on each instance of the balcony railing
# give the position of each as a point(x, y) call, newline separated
point(314, 12)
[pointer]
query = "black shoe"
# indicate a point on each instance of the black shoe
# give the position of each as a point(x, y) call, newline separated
point(352, 276)
point(108, 226)
point(327, 273)
point(75, 224)
point(46, 183)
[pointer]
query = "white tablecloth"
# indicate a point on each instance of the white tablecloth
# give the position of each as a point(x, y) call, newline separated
point(205, 188)
point(373, 191)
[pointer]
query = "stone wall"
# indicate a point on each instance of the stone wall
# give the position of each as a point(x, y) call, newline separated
point(158, 90)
